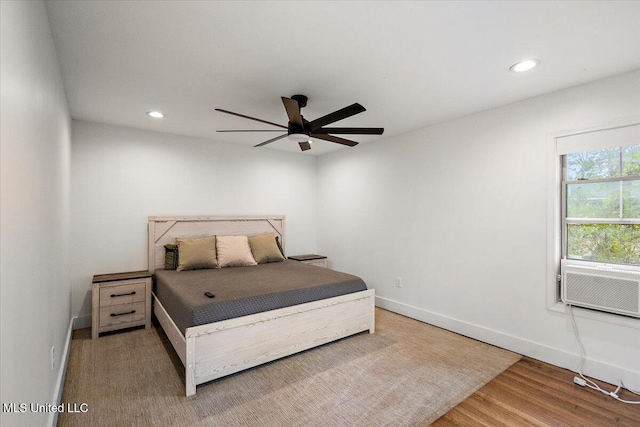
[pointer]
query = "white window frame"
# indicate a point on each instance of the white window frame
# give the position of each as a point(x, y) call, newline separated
point(555, 224)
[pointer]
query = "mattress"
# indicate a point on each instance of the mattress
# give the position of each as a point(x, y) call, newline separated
point(241, 291)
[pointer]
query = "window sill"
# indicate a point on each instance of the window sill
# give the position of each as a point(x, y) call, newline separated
point(614, 319)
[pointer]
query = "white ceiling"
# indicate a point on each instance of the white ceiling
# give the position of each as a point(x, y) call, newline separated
point(411, 64)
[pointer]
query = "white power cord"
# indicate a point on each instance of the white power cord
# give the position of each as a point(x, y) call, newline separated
point(584, 381)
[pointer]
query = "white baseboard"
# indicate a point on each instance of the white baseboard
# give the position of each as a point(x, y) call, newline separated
point(82, 322)
point(62, 372)
point(555, 356)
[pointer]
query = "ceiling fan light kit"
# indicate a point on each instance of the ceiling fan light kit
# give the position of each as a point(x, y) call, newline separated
point(298, 137)
point(301, 130)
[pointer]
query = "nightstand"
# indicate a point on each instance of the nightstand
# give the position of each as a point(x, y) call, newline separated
point(312, 259)
point(120, 300)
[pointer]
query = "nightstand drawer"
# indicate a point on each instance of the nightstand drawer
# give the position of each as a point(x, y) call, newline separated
point(122, 294)
point(123, 313)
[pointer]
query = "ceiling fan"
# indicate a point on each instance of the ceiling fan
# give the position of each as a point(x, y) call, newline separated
point(301, 130)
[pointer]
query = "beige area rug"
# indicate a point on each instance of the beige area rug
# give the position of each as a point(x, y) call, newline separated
point(407, 373)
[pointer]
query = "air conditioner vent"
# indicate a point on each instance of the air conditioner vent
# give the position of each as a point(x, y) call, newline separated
point(603, 291)
point(612, 291)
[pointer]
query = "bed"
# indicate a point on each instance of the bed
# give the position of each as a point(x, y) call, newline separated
point(248, 336)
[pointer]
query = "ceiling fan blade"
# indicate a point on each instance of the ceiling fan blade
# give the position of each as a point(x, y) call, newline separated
point(304, 146)
point(271, 140)
point(293, 110)
point(352, 131)
point(251, 130)
point(336, 115)
point(334, 139)
point(250, 118)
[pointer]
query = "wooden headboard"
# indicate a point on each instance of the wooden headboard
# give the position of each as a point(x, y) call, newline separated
point(164, 229)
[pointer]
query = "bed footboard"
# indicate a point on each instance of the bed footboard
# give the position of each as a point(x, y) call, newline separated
point(222, 348)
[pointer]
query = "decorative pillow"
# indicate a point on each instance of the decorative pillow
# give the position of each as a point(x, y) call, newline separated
point(265, 249)
point(197, 254)
point(234, 251)
point(170, 256)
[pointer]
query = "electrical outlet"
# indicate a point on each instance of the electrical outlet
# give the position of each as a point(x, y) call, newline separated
point(53, 357)
point(398, 282)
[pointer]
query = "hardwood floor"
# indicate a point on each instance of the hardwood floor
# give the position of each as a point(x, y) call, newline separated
point(534, 393)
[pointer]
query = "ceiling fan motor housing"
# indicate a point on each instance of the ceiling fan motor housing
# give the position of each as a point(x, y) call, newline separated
point(294, 128)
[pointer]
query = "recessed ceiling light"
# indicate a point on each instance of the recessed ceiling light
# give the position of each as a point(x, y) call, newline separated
point(155, 114)
point(525, 65)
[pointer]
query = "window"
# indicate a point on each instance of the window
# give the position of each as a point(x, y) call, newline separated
point(593, 250)
point(601, 205)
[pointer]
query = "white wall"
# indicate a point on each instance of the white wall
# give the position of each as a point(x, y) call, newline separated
point(120, 176)
point(459, 210)
point(35, 160)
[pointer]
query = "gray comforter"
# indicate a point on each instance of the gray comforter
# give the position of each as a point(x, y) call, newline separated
point(241, 291)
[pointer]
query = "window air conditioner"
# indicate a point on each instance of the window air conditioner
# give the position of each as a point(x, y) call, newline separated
point(602, 288)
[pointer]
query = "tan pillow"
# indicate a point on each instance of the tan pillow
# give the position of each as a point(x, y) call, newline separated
point(265, 249)
point(197, 254)
point(234, 251)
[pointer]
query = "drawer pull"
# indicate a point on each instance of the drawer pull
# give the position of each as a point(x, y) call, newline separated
point(122, 295)
point(122, 314)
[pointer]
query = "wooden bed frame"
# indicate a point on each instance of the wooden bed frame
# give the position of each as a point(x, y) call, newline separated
point(218, 349)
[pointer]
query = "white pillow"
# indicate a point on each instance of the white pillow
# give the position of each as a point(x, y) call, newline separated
point(234, 251)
